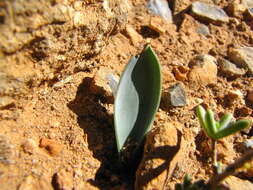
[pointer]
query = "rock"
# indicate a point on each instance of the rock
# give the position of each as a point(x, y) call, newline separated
point(243, 57)
point(187, 30)
point(7, 155)
point(29, 146)
point(161, 8)
point(236, 9)
point(32, 183)
point(62, 82)
point(52, 147)
point(100, 84)
point(159, 25)
point(79, 19)
point(180, 72)
point(6, 101)
point(204, 70)
point(176, 96)
point(249, 143)
point(64, 180)
point(247, 3)
point(234, 96)
point(209, 13)
point(10, 85)
point(162, 152)
point(229, 69)
point(235, 183)
point(250, 97)
point(249, 14)
point(134, 36)
point(203, 29)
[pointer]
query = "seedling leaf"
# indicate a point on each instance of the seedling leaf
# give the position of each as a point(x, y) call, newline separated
point(201, 113)
point(137, 99)
point(211, 121)
point(233, 128)
point(225, 120)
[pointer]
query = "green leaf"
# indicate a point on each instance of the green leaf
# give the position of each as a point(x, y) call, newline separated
point(201, 114)
point(211, 123)
point(137, 99)
point(225, 120)
point(233, 128)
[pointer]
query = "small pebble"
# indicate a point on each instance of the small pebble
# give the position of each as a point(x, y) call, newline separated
point(100, 84)
point(243, 57)
point(203, 29)
point(51, 146)
point(249, 143)
point(6, 101)
point(234, 96)
point(176, 95)
point(250, 97)
point(204, 70)
point(32, 183)
point(79, 19)
point(236, 9)
point(159, 25)
point(229, 69)
point(29, 146)
point(180, 72)
point(209, 13)
point(249, 13)
point(134, 36)
point(161, 8)
point(64, 180)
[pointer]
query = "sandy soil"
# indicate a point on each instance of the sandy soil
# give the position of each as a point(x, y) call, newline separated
point(57, 128)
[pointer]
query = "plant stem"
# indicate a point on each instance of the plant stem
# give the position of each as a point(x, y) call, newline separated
point(216, 179)
point(214, 147)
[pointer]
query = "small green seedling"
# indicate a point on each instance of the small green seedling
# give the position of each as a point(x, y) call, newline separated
point(218, 129)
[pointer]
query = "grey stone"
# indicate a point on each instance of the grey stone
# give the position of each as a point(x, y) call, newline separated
point(248, 143)
point(209, 13)
point(243, 57)
point(161, 8)
point(203, 29)
point(229, 69)
point(177, 95)
point(250, 13)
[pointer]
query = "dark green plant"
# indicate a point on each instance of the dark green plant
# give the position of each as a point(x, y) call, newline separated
point(137, 99)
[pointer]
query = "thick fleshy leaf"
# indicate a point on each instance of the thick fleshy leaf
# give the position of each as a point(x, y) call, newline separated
point(233, 128)
point(224, 121)
point(201, 113)
point(211, 123)
point(137, 99)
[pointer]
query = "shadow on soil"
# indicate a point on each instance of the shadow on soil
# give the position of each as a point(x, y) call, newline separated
point(94, 119)
point(97, 123)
